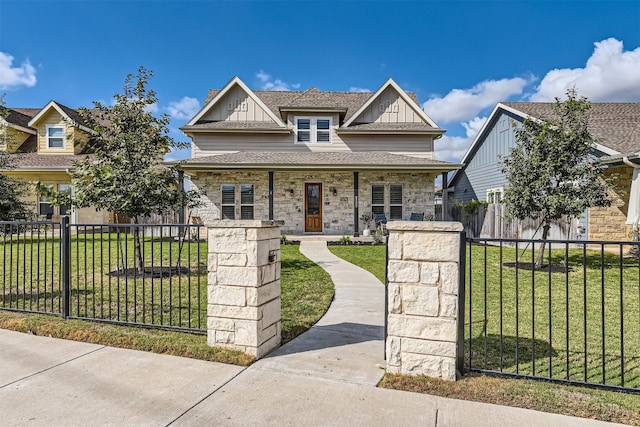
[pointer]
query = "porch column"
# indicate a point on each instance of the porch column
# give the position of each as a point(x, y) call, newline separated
point(445, 197)
point(356, 215)
point(271, 195)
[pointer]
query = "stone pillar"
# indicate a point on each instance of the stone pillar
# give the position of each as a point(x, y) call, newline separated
point(244, 286)
point(422, 316)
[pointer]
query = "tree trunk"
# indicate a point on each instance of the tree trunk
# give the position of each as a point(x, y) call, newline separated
point(137, 247)
point(545, 233)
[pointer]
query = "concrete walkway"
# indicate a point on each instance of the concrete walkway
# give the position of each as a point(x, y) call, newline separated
point(325, 377)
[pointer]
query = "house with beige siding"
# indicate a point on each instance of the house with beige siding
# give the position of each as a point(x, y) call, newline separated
point(616, 128)
point(315, 161)
point(44, 143)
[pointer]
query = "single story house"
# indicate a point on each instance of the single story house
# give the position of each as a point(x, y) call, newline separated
point(316, 161)
point(616, 127)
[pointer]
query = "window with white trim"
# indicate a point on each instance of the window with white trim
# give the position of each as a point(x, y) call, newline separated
point(44, 204)
point(495, 195)
point(55, 136)
point(313, 130)
point(228, 201)
point(246, 201)
point(377, 199)
point(395, 201)
point(65, 188)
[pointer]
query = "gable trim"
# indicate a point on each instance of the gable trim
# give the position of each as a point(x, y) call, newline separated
point(235, 81)
point(55, 106)
point(18, 127)
point(402, 94)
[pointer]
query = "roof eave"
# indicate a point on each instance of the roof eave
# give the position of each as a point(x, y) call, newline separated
point(189, 129)
point(391, 131)
point(207, 167)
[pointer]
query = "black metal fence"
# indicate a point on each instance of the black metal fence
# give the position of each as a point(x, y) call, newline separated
point(574, 319)
point(100, 272)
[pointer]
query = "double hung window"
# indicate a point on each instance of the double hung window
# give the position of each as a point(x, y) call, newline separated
point(55, 136)
point(229, 202)
point(312, 130)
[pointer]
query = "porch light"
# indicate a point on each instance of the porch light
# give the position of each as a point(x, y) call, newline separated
point(291, 192)
point(335, 192)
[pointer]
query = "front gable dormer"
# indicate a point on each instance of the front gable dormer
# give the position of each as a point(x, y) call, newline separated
point(59, 130)
point(390, 109)
point(235, 108)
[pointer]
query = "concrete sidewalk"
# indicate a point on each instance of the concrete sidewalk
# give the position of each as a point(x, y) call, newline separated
point(325, 377)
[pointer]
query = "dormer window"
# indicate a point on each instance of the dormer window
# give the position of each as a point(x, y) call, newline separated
point(311, 130)
point(55, 136)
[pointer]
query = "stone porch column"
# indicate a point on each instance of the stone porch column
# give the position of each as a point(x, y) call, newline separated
point(422, 316)
point(243, 311)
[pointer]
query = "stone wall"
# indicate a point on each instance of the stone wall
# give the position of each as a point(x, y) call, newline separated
point(243, 311)
point(610, 224)
point(288, 194)
point(422, 317)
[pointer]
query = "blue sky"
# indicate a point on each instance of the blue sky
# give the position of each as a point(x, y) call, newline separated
point(459, 57)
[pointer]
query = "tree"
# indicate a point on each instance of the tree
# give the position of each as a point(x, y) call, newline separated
point(550, 172)
point(12, 191)
point(125, 173)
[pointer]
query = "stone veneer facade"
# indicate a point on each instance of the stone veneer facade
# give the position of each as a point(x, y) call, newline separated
point(337, 209)
point(422, 316)
point(610, 224)
point(243, 310)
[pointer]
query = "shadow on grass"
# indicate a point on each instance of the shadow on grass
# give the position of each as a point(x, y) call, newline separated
point(504, 352)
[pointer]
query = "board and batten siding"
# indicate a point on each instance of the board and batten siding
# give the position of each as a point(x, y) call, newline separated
point(237, 106)
point(484, 170)
point(389, 108)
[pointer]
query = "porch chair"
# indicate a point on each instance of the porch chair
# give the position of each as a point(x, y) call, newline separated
point(381, 222)
point(417, 217)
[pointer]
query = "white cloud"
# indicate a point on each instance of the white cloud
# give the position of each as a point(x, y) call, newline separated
point(610, 74)
point(453, 148)
point(358, 89)
point(464, 104)
point(184, 109)
point(11, 77)
point(152, 108)
point(268, 83)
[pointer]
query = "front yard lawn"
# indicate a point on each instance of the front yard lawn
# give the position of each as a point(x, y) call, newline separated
point(538, 395)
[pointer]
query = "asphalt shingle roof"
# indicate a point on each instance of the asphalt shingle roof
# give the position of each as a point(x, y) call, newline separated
point(320, 159)
point(615, 125)
point(313, 98)
point(44, 161)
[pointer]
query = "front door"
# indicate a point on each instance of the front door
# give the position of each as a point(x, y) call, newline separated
point(313, 207)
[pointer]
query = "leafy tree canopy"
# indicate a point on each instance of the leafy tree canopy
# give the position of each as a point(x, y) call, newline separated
point(551, 172)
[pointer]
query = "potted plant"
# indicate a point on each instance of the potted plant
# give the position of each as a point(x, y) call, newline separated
point(366, 218)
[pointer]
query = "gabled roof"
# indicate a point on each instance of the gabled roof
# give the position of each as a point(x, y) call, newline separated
point(616, 126)
point(17, 119)
point(68, 113)
point(235, 82)
point(278, 103)
point(403, 95)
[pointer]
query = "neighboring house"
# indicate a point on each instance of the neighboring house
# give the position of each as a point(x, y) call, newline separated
point(315, 161)
point(616, 127)
point(44, 143)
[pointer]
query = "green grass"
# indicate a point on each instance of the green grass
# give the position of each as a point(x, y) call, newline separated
point(306, 293)
point(540, 395)
point(363, 258)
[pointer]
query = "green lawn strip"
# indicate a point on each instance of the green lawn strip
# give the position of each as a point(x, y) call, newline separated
point(307, 292)
point(152, 340)
point(537, 395)
point(371, 258)
point(544, 396)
